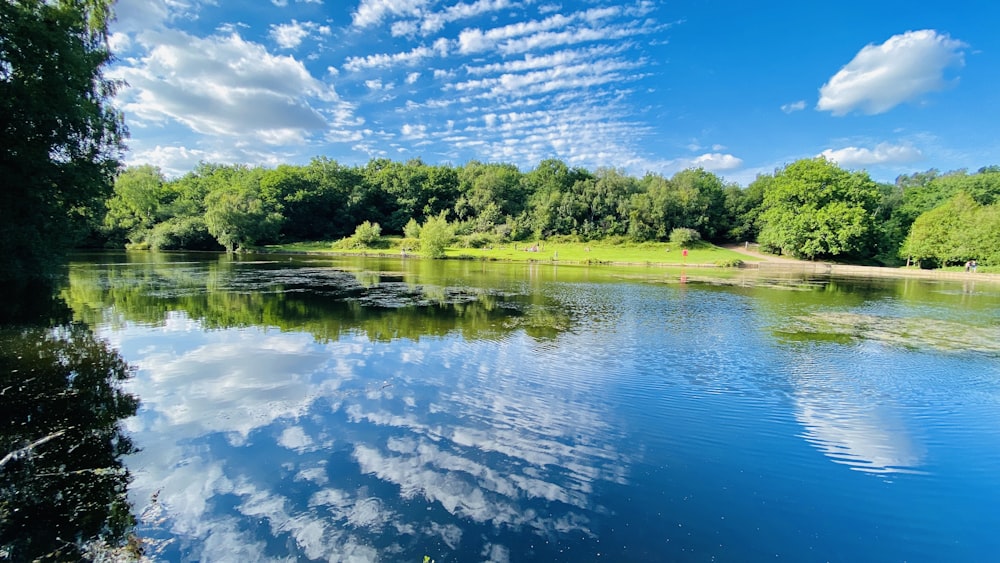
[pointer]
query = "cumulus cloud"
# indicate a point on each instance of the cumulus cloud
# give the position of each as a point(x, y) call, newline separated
point(223, 85)
point(289, 35)
point(883, 153)
point(902, 69)
point(174, 161)
point(714, 162)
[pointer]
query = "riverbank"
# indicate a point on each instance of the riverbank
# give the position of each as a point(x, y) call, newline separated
point(600, 253)
point(784, 264)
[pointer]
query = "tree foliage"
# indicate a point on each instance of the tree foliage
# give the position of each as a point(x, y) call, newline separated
point(238, 219)
point(60, 137)
point(955, 232)
point(62, 480)
point(813, 208)
point(684, 237)
point(435, 235)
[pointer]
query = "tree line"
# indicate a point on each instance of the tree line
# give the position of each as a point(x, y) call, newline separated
point(811, 208)
point(62, 142)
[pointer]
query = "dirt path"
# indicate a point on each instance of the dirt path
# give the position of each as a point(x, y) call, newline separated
point(753, 252)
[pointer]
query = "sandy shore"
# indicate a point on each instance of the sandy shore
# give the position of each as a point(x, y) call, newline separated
point(769, 262)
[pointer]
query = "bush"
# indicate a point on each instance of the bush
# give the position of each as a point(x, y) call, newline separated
point(435, 235)
point(181, 233)
point(479, 240)
point(368, 233)
point(684, 237)
point(411, 229)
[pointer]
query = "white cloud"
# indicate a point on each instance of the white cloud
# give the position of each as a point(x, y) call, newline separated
point(902, 69)
point(794, 106)
point(414, 132)
point(372, 12)
point(412, 77)
point(172, 160)
point(383, 60)
point(223, 85)
point(580, 76)
point(559, 29)
point(716, 161)
point(435, 21)
point(289, 35)
point(119, 42)
point(295, 438)
point(883, 153)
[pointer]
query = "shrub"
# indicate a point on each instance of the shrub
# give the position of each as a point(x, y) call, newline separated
point(411, 229)
point(435, 235)
point(367, 234)
point(684, 237)
point(181, 233)
point(479, 240)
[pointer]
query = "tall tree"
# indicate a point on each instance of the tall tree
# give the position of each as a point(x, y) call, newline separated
point(60, 136)
point(813, 208)
point(134, 207)
point(959, 230)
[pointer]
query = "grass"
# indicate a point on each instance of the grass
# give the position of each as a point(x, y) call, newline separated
point(594, 252)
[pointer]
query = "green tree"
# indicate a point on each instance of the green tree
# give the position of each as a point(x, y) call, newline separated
point(238, 219)
point(684, 237)
point(435, 235)
point(813, 208)
point(366, 235)
point(743, 207)
point(60, 136)
point(135, 206)
point(483, 184)
point(547, 185)
point(947, 234)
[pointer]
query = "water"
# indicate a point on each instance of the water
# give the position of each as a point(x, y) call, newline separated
point(346, 410)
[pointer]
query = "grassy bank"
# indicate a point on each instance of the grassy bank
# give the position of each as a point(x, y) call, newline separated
point(594, 252)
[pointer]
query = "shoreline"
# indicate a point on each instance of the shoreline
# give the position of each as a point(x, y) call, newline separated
point(761, 263)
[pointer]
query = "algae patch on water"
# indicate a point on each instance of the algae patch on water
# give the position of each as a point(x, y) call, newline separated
point(910, 332)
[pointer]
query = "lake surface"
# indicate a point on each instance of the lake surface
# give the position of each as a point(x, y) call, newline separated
point(313, 408)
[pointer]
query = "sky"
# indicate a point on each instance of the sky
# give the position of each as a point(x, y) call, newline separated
point(737, 88)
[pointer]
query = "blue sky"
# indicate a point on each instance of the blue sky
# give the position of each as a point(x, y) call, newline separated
point(739, 88)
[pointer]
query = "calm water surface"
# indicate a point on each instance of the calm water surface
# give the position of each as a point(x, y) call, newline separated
point(384, 410)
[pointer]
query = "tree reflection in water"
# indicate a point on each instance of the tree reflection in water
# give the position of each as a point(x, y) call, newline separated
point(62, 482)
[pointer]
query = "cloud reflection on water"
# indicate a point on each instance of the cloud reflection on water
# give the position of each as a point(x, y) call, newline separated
point(850, 415)
point(256, 438)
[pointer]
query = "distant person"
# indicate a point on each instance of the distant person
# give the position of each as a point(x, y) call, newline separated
point(968, 265)
point(973, 265)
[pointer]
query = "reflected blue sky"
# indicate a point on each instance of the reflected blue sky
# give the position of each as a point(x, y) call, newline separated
point(661, 424)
